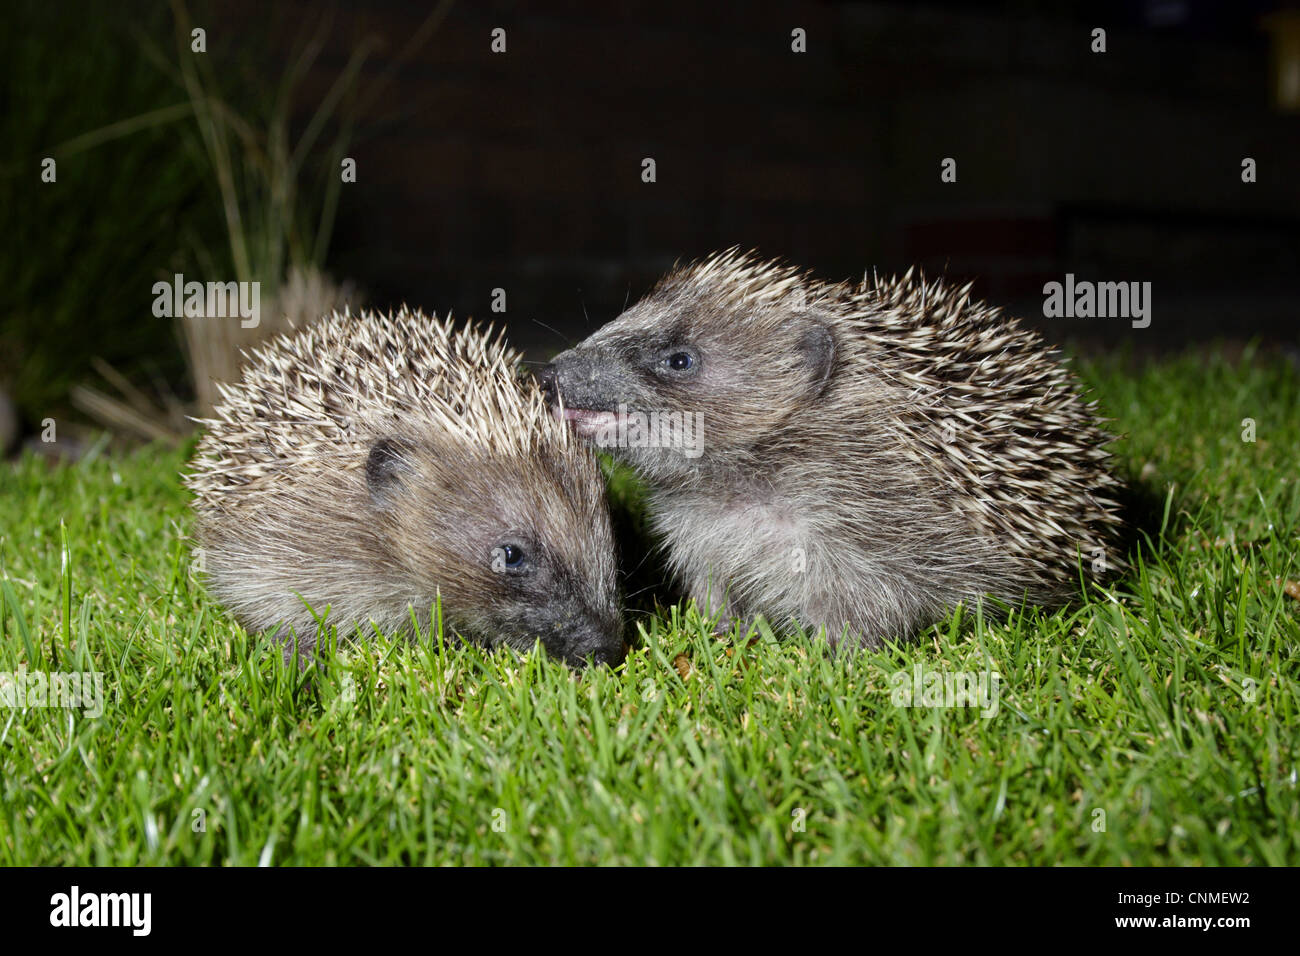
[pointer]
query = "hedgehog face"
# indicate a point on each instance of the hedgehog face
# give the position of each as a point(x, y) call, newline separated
point(729, 372)
point(519, 551)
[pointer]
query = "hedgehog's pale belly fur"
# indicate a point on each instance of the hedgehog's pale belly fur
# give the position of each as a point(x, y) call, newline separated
point(797, 556)
point(947, 457)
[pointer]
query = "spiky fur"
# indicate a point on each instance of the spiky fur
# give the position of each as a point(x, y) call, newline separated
point(873, 455)
point(290, 515)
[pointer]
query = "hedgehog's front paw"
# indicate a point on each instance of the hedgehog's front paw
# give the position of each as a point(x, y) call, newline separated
point(725, 625)
point(722, 620)
point(732, 621)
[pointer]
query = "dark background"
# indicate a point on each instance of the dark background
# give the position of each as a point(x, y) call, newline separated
point(522, 170)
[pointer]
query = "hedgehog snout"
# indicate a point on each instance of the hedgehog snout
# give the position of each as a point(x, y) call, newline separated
point(547, 379)
point(581, 381)
point(597, 646)
point(595, 638)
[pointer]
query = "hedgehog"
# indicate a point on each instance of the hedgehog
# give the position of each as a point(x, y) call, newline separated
point(369, 471)
point(865, 456)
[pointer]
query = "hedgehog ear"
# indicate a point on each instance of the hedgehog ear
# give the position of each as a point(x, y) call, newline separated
point(385, 466)
point(816, 347)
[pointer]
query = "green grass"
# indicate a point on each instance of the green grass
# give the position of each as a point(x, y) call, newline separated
point(1166, 701)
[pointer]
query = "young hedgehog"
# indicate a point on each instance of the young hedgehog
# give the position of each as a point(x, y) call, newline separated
point(871, 456)
point(373, 463)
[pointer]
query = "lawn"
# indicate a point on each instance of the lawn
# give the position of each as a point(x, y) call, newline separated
point(1152, 722)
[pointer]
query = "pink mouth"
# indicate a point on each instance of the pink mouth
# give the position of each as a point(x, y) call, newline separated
point(587, 422)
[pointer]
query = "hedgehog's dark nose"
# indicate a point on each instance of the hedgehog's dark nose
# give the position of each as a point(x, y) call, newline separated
point(611, 656)
point(550, 387)
point(598, 640)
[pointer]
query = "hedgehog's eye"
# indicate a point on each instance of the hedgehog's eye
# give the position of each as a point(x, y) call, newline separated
point(680, 361)
point(507, 557)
